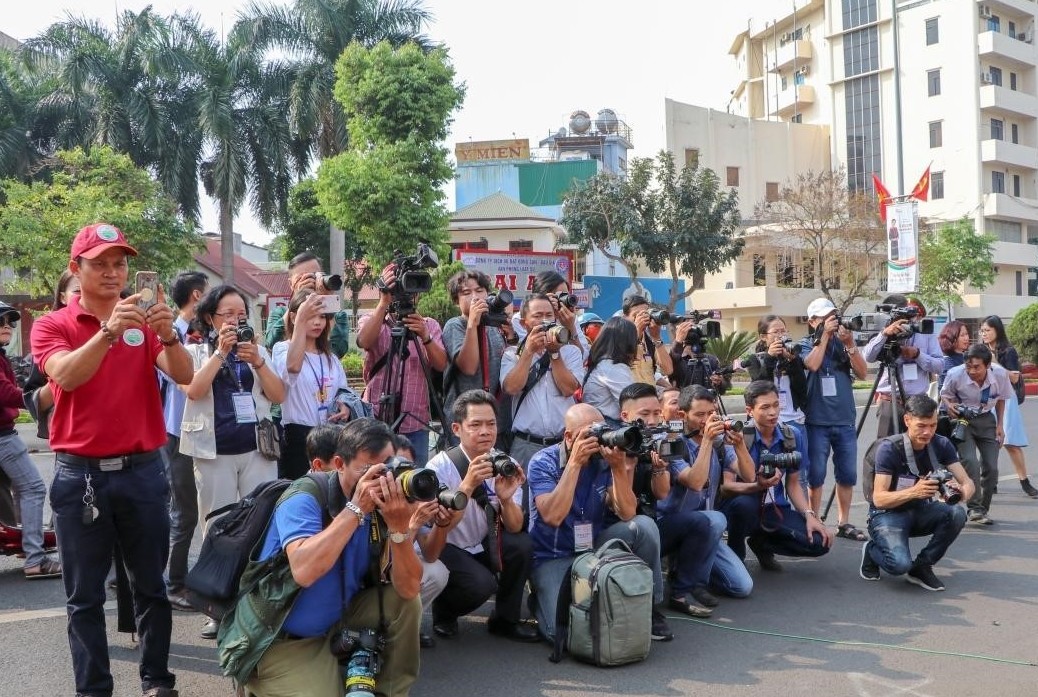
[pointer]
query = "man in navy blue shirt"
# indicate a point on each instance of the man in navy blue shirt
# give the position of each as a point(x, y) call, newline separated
point(831, 357)
point(331, 563)
point(772, 509)
point(905, 500)
point(572, 486)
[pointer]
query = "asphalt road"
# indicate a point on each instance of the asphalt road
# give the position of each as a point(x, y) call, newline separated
point(813, 629)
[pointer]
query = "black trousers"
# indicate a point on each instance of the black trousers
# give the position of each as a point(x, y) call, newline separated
point(471, 581)
point(293, 463)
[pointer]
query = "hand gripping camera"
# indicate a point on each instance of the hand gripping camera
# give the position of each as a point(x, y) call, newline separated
point(946, 494)
point(771, 462)
point(497, 303)
point(627, 438)
point(502, 464)
point(422, 484)
point(411, 279)
point(665, 440)
point(705, 326)
point(244, 333)
point(966, 414)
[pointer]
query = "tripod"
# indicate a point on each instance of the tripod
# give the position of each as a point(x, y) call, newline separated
point(402, 341)
point(888, 365)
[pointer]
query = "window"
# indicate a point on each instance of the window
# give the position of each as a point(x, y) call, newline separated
point(1016, 185)
point(799, 78)
point(997, 129)
point(797, 118)
point(784, 83)
point(936, 185)
point(994, 23)
point(864, 132)
point(932, 36)
point(759, 270)
point(936, 134)
point(861, 52)
point(1012, 29)
point(1015, 131)
point(858, 12)
point(475, 244)
point(1004, 230)
point(998, 182)
point(771, 192)
point(579, 267)
point(933, 82)
point(1032, 281)
point(1019, 282)
point(692, 157)
point(996, 75)
point(520, 245)
point(733, 176)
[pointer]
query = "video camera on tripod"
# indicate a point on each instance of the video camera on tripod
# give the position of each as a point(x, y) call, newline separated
point(705, 325)
point(887, 314)
point(411, 279)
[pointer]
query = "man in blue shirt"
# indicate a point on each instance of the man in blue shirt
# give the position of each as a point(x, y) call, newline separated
point(693, 492)
point(830, 358)
point(905, 499)
point(331, 562)
point(771, 509)
point(572, 486)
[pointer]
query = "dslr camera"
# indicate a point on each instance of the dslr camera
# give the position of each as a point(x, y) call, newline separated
point(360, 653)
point(501, 464)
point(497, 303)
point(772, 462)
point(244, 333)
point(966, 414)
point(328, 283)
point(567, 299)
point(422, 484)
point(628, 438)
point(705, 326)
point(665, 440)
point(411, 279)
point(556, 332)
point(943, 477)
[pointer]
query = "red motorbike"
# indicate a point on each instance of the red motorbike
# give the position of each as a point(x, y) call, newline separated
point(10, 529)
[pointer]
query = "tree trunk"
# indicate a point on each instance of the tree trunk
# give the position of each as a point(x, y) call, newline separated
point(226, 243)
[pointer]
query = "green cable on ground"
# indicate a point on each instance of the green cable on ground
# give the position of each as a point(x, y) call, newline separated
point(838, 642)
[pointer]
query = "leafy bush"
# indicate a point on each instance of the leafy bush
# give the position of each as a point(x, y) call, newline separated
point(731, 346)
point(1023, 333)
point(353, 364)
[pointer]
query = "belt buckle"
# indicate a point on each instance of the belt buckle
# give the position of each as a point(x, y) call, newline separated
point(111, 464)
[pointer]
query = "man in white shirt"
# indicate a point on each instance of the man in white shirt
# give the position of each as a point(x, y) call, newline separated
point(483, 546)
point(541, 375)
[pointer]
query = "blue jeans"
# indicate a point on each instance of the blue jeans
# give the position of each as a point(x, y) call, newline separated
point(183, 511)
point(133, 507)
point(729, 574)
point(890, 531)
point(30, 492)
point(690, 538)
point(784, 531)
point(843, 443)
point(743, 514)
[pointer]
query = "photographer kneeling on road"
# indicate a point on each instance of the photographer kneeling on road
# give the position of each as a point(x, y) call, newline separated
point(772, 510)
point(912, 469)
point(572, 486)
point(332, 564)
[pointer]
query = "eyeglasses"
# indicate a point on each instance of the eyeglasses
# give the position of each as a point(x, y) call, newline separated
point(231, 315)
point(8, 321)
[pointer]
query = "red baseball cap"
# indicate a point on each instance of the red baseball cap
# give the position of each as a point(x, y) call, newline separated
point(98, 238)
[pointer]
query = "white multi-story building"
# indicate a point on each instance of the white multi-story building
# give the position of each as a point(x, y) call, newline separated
point(909, 82)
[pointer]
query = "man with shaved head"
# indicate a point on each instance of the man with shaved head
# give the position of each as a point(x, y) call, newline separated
point(572, 486)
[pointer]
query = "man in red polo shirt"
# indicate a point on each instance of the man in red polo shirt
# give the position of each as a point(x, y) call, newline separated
point(100, 355)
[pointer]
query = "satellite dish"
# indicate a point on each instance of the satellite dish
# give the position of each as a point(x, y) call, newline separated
point(579, 122)
point(606, 121)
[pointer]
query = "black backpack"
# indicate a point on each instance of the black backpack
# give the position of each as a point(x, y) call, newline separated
point(868, 463)
point(236, 537)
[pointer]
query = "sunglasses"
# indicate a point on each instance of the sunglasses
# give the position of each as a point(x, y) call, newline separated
point(8, 321)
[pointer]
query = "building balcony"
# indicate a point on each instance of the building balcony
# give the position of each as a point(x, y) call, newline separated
point(1003, 7)
point(980, 305)
point(798, 53)
point(1014, 254)
point(1006, 153)
point(796, 98)
point(1011, 208)
point(1006, 49)
point(1005, 99)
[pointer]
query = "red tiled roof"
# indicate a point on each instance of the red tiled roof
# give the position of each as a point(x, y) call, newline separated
point(244, 270)
point(275, 281)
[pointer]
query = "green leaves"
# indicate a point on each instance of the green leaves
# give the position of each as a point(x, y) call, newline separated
point(953, 256)
point(1023, 333)
point(731, 346)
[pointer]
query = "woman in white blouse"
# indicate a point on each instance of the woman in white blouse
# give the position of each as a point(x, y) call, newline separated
point(313, 375)
point(609, 366)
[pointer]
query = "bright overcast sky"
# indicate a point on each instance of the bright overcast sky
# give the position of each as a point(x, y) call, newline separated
point(528, 64)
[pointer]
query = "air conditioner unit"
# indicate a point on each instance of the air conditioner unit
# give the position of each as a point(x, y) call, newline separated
point(785, 37)
point(803, 71)
point(985, 79)
point(985, 11)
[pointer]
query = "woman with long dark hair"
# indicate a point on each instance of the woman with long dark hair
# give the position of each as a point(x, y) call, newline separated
point(993, 335)
point(609, 366)
point(774, 362)
point(312, 375)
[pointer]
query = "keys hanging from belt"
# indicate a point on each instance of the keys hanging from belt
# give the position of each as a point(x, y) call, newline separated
point(90, 512)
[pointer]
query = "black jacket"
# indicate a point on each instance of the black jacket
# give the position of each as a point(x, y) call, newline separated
point(764, 366)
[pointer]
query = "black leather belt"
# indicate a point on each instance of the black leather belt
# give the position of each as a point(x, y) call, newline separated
point(537, 440)
point(115, 463)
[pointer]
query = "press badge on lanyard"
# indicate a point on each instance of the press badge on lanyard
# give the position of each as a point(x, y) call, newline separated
point(244, 404)
point(828, 385)
point(583, 537)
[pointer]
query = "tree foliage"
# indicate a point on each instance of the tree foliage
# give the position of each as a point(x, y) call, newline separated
point(676, 222)
point(387, 187)
point(953, 256)
point(437, 303)
point(836, 231)
point(305, 228)
point(731, 346)
point(39, 219)
point(1023, 333)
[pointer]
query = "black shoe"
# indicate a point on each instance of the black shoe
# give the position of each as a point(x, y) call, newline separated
point(1025, 484)
point(426, 641)
point(922, 575)
point(681, 603)
point(869, 569)
point(210, 630)
point(516, 631)
point(447, 629)
point(766, 559)
point(660, 629)
point(704, 597)
point(161, 692)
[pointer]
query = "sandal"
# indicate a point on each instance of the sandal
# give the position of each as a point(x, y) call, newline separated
point(849, 532)
point(47, 569)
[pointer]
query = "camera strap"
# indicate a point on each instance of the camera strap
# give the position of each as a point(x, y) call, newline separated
point(492, 542)
point(541, 369)
point(913, 466)
point(484, 357)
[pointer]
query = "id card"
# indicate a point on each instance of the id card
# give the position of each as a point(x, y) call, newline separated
point(905, 483)
point(244, 408)
point(582, 537)
point(910, 371)
point(828, 386)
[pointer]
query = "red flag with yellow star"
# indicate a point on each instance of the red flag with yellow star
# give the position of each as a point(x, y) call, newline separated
point(922, 188)
point(883, 195)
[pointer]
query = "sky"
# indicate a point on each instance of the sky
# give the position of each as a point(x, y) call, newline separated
point(527, 65)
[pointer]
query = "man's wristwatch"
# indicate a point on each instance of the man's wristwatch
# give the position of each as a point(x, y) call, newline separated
point(177, 338)
point(555, 356)
point(399, 537)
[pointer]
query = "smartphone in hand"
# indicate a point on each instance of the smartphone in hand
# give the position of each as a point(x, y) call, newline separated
point(330, 304)
point(147, 287)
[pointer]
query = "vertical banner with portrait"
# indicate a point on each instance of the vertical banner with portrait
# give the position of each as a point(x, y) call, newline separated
point(902, 247)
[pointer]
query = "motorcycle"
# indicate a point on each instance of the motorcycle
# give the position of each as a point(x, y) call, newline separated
point(10, 527)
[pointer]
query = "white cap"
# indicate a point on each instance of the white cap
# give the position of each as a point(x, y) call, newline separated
point(820, 308)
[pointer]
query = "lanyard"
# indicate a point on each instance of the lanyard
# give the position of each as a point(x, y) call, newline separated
point(484, 356)
point(322, 394)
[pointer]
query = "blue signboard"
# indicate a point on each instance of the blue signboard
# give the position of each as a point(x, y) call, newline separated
point(607, 293)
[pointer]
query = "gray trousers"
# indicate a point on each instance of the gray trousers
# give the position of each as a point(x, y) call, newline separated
point(29, 491)
point(183, 510)
point(980, 438)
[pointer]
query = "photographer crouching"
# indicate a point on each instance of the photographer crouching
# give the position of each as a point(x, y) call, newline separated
point(918, 483)
point(332, 562)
